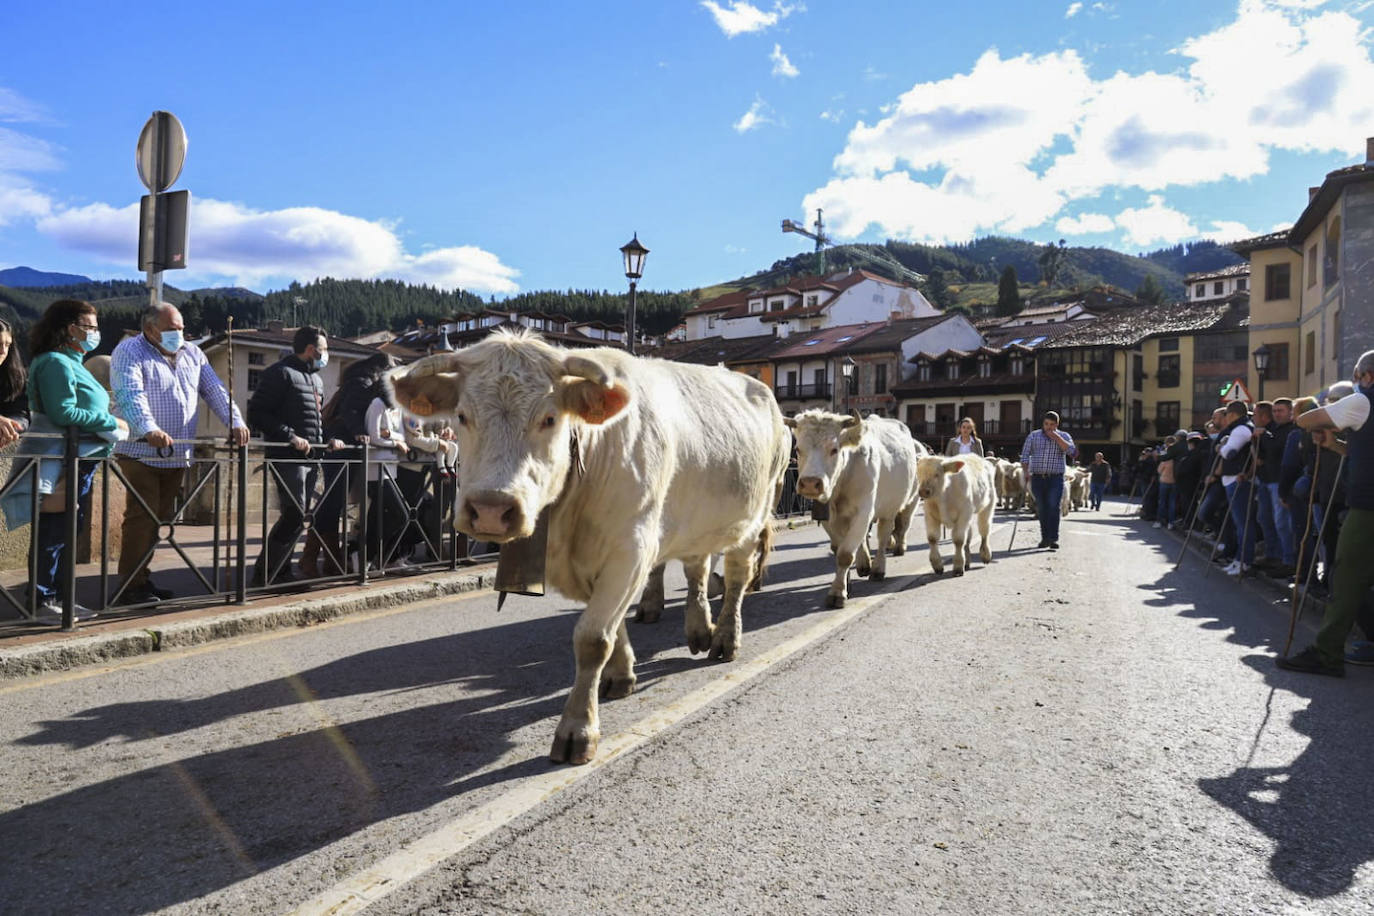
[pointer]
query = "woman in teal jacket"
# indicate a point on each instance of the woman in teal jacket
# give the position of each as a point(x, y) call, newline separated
point(62, 394)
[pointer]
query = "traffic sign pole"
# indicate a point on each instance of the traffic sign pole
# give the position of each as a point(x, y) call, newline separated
point(160, 154)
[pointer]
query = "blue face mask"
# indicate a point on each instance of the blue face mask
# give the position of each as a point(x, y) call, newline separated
point(320, 362)
point(90, 343)
point(172, 340)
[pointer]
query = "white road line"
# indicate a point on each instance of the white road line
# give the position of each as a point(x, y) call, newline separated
point(411, 861)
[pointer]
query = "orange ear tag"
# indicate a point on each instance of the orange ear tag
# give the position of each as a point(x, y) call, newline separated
point(421, 406)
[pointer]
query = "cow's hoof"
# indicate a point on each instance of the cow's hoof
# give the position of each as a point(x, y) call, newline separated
point(938, 570)
point(877, 576)
point(834, 601)
point(986, 556)
point(648, 614)
point(576, 748)
point(958, 571)
point(724, 647)
point(617, 688)
point(700, 640)
point(899, 550)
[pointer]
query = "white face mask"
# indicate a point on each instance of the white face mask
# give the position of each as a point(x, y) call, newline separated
point(172, 340)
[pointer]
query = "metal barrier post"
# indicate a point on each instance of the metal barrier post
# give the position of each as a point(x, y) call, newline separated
point(362, 519)
point(70, 467)
point(105, 527)
point(241, 515)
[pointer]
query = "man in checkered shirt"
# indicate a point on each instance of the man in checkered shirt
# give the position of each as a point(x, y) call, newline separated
point(158, 380)
point(1044, 457)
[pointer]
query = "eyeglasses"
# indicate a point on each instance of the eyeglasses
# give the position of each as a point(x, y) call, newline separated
point(88, 327)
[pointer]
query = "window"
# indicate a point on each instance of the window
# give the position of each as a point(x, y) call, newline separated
point(952, 369)
point(1167, 377)
point(1278, 363)
point(1332, 262)
point(1218, 288)
point(812, 300)
point(1309, 352)
point(1018, 365)
point(818, 379)
point(1168, 344)
point(1166, 417)
point(984, 367)
point(1137, 371)
point(756, 306)
point(880, 378)
point(792, 378)
point(1312, 266)
point(254, 377)
point(1276, 281)
point(710, 321)
point(923, 371)
point(777, 305)
point(1242, 283)
point(1199, 291)
point(256, 359)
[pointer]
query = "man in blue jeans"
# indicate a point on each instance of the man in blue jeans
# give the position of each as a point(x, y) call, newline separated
point(1044, 456)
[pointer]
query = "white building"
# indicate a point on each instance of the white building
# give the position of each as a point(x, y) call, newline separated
point(1218, 284)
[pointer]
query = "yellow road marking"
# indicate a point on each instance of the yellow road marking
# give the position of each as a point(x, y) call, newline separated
point(415, 858)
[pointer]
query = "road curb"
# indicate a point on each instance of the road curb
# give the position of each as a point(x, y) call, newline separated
point(95, 648)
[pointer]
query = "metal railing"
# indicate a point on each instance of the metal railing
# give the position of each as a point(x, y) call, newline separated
point(389, 510)
point(803, 391)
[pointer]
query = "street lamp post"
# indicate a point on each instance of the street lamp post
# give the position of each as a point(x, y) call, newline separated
point(847, 373)
point(1261, 366)
point(634, 254)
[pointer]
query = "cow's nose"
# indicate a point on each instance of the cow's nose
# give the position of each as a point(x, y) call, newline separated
point(493, 513)
point(809, 486)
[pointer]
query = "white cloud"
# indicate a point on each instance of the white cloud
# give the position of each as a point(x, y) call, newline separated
point(1042, 132)
point(738, 17)
point(23, 153)
point(832, 115)
point(758, 115)
point(19, 202)
point(781, 65)
point(1085, 224)
point(14, 108)
point(248, 245)
point(1073, 10)
point(1231, 230)
point(1156, 221)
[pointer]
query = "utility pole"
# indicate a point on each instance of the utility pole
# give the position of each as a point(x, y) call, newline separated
point(884, 260)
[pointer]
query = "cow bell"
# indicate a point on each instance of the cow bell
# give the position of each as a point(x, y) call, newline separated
point(520, 567)
point(820, 512)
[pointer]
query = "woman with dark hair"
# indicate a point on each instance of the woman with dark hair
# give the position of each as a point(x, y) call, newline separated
point(14, 396)
point(345, 419)
point(967, 441)
point(64, 394)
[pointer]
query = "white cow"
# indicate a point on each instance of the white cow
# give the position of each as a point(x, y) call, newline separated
point(955, 491)
point(1077, 481)
point(1012, 484)
point(865, 470)
point(634, 462)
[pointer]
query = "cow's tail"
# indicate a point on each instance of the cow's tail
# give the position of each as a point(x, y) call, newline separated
point(765, 547)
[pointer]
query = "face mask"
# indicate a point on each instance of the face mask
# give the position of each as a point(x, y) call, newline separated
point(172, 341)
point(320, 362)
point(90, 343)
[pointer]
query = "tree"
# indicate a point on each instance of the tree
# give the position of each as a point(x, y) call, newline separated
point(1150, 290)
point(1008, 293)
point(937, 291)
point(1050, 260)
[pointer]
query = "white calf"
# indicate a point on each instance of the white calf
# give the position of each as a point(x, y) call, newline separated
point(955, 491)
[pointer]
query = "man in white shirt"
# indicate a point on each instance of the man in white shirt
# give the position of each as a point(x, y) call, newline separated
point(1354, 566)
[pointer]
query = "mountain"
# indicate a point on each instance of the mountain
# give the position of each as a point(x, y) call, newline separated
point(27, 276)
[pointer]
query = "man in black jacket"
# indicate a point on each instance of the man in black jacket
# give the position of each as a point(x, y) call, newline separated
point(286, 407)
point(1285, 551)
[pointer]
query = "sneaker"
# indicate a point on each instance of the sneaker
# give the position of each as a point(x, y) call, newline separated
point(1156, 525)
point(51, 612)
point(1042, 545)
point(1054, 545)
point(162, 594)
point(1360, 653)
point(1237, 568)
point(1309, 661)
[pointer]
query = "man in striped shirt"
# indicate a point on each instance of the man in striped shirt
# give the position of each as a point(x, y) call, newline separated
point(158, 380)
point(1044, 456)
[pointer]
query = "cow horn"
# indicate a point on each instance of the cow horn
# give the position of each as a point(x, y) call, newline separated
point(789, 422)
point(590, 369)
point(852, 420)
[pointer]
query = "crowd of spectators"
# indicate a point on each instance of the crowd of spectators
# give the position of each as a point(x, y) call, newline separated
point(1270, 491)
point(144, 408)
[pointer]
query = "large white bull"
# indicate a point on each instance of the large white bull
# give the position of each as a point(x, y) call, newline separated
point(635, 461)
point(864, 470)
point(955, 492)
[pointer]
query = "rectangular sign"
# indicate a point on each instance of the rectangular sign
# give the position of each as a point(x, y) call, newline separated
point(163, 230)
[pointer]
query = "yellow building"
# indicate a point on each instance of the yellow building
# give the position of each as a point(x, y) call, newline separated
point(1275, 308)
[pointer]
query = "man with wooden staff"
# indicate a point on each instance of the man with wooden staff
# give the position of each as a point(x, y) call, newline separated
point(1353, 571)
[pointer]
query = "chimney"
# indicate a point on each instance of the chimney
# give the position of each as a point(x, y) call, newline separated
point(1369, 151)
point(1311, 193)
point(276, 326)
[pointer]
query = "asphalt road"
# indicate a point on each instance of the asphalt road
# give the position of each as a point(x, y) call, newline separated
point(1080, 732)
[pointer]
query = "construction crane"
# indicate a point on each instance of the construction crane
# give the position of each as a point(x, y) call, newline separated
point(884, 259)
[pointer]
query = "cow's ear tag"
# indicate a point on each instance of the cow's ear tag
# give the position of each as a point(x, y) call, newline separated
point(603, 403)
point(421, 406)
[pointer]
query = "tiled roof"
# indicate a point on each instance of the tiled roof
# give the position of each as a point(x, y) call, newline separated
point(714, 350)
point(1235, 270)
point(889, 336)
point(1260, 242)
point(825, 341)
point(1025, 334)
point(1129, 327)
point(722, 303)
point(1326, 197)
point(283, 339)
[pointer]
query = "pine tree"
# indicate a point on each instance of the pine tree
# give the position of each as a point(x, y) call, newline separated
point(1008, 293)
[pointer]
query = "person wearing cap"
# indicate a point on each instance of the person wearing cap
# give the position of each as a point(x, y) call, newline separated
point(1353, 570)
point(1044, 456)
point(158, 379)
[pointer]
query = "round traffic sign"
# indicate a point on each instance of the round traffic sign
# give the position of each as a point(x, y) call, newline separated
point(161, 151)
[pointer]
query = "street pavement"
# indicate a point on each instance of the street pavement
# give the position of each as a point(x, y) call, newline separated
point(1087, 731)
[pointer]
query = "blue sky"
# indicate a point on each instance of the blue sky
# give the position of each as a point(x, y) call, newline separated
point(511, 147)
